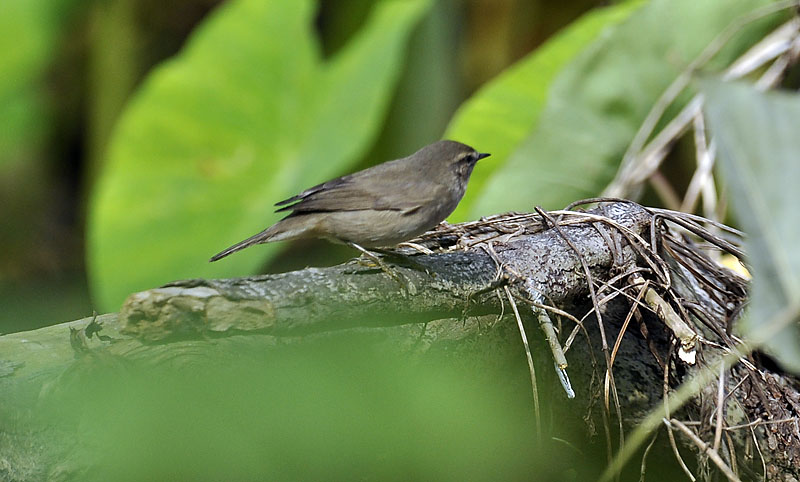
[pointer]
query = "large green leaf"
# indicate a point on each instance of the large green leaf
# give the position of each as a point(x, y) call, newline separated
point(759, 149)
point(246, 115)
point(504, 111)
point(599, 101)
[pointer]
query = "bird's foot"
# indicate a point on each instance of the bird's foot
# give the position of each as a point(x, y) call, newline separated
point(417, 247)
point(394, 274)
point(408, 260)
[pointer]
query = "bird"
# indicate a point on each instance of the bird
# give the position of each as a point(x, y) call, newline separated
point(378, 207)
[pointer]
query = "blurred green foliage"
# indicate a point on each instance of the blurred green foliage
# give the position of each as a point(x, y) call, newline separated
point(346, 407)
point(756, 134)
point(598, 101)
point(505, 110)
point(30, 207)
point(29, 31)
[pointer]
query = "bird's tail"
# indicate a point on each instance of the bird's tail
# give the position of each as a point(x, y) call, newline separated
point(290, 227)
point(261, 237)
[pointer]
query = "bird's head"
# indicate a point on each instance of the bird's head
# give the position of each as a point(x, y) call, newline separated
point(456, 157)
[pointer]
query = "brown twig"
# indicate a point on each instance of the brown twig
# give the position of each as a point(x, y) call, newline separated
point(705, 448)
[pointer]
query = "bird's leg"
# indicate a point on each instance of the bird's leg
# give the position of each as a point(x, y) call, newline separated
point(408, 260)
point(378, 262)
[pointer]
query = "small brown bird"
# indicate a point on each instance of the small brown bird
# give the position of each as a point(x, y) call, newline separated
point(380, 206)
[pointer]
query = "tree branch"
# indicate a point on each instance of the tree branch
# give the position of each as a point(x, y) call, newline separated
point(541, 261)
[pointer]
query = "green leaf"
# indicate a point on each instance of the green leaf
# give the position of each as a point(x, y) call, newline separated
point(599, 101)
point(246, 115)
point(757, 140)
point(28, 33)
point(504, 111)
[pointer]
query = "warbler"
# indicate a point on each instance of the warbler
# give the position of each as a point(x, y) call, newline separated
point(380, 206)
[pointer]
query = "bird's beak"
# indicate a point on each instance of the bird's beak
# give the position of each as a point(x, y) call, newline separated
point(481, 155)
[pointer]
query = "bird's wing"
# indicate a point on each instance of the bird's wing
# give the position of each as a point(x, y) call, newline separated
point(357, 193)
